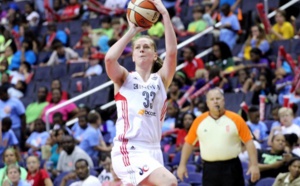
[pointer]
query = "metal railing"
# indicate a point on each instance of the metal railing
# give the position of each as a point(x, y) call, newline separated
point(179, 46)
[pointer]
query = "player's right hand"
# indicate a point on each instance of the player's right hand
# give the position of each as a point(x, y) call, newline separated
point(182, 172)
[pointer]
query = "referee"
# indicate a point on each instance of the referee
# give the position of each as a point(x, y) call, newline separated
point(220, 133)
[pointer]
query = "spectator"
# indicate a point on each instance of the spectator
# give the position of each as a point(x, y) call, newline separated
point(83, 173)
point(53, 34)
point(25, 54)
point(171, 116)
point(87, 31)
point(37, 176)
point(230, 26)
point(273, 161)
point(295, 109)
point(71, 11)
point(262, 86)
point(256, 57)
point(256, 39)
point(93, 141)
point(56, 84)
point(292, 144)
point(286, 120)
point(106, 174)
point(23, 74)
point(94, 69)
point(258, 128)
point(181, 131)
point(245, 82)
point(37, 138)
point(32, 16)
point(234, 4)
point(56, 148)
point(174, 91)
point(61, 54)
point(275, 115)
point(8, 53)
point(11, 157)
point(79, 128)
point(3, 68)
point(192, 63)
point(282, 29)
point(34, 110)
point(5, 80)
point(13, 108)
point(9, 139)
point(198, 24)
point(70, 154)
point(59, 122)
point(18, 91)
point(66, 111)
point(290, 178)
point(14, 175)
point(113, 182)
point(222, 56)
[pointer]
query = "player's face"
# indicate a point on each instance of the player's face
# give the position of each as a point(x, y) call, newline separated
point(143, 51)
point(215, 101)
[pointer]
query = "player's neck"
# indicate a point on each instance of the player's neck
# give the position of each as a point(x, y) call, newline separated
point(144, 74)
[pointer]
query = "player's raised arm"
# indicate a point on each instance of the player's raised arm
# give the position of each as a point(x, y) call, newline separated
point(114, 70)
point(169, 66)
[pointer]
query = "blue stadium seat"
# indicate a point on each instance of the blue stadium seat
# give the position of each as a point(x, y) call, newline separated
point(287, 44)
point(191, 168)
point(265, 182)
point(81, 101)
point(168, 168)
point(74, 38)
point(73, 85)
point(95, 81)
point(42, 73)
point(75, 27)
point(233, 101)
point(99, 98)
point(59, 178)
point(183, 184)
point(30, 90)
point(248, 6)
point(59, 71)
point(177, 157)
point(194, 178)
point(205, 42)
point(76, 67)
point(248, 97)
point(296, 45)
point(26, 101)
point(39, 84)
point(128, 64)
point(43, 57)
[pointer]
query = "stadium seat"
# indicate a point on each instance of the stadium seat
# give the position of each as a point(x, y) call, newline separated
point(46, 84)
point(81, 101)
point(73, 85)
point(75, 27)
point(42, 73)
point(233, 101)
point(296, 46)
point(168, 168)
point(128, 64)
point(183, 184)
point(59, 71)
point(287, 44)
point(99, 98)
point(265, 182)
point(177, 157)
point(59, 178)
point(248, 6)
point(74, 38)
point(191, 168)
point(194, 178)
point(205, 42)
point(96, 81)
point(76, 67)
point(30, 90)
point(26, 101)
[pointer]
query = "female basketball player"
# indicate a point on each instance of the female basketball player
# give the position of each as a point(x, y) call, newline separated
point(141, 105)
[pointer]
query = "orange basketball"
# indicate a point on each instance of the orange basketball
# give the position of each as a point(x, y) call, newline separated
point(142, 13)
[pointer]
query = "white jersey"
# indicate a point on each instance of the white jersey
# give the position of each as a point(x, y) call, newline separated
point(141, 107)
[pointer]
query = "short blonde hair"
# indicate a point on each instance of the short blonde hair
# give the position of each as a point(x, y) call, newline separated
point(285, 110)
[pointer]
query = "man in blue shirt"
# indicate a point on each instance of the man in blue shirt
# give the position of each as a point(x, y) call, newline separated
point(13, 108)
point(230, 26)
point(92, 139)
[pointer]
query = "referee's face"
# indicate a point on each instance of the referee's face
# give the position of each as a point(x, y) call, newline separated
point(215, 101)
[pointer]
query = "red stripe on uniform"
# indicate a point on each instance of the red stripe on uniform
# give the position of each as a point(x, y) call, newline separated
point(163, 111)
point(123, 148)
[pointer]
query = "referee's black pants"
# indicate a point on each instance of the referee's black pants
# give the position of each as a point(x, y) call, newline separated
point(223, 173)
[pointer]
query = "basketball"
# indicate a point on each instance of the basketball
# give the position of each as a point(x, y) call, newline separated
point(142, 13)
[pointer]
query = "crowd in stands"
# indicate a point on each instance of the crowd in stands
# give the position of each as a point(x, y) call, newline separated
point(51, 51)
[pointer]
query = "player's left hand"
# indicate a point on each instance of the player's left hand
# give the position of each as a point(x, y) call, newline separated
point(159, 6)
point(254, 172)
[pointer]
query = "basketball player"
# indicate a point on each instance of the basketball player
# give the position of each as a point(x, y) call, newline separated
point(141, 105)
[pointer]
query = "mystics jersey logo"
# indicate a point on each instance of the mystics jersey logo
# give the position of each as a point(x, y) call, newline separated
point(145, 168)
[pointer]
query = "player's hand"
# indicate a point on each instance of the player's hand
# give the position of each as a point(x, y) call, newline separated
point(254, 172)
point(134, 27)
point(159, 6)
point(182, 172)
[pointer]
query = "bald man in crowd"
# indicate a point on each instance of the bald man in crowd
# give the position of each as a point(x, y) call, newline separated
point(220, 133)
